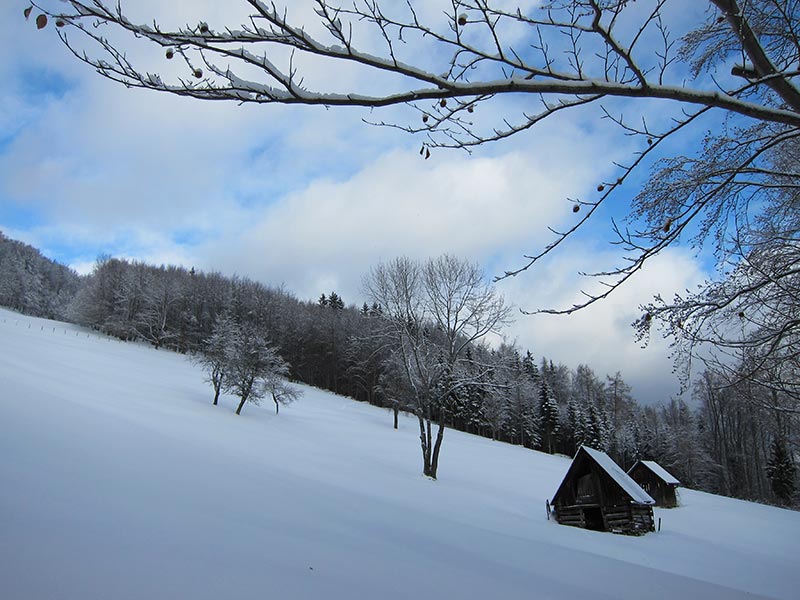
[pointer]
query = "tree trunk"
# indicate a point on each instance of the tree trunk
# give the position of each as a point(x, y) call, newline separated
point(436, 448)
point(241, 404)
point(216, 380)
point(277, 404)
point(425, 445)
point(396, 411)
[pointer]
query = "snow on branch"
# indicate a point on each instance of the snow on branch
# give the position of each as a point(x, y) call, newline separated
point(476, 60)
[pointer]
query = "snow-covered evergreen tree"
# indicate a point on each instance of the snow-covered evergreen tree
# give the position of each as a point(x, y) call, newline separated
point(574, 429)
point(781, 472)
point(548, 417)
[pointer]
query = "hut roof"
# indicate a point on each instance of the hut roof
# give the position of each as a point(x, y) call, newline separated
point(660, 471)
point(613, 470)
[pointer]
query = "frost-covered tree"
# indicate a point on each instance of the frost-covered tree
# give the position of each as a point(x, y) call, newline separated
point(162, 294)
point(32, 283)
point(251, 359)
point(628, 442)
point(275, 384)
point(214, 355)
point(252, 367)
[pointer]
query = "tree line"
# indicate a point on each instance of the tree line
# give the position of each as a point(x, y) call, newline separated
point(418, 346)
point(32, 284)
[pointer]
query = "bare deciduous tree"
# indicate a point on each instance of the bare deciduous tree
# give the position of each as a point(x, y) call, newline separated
point(433, 312)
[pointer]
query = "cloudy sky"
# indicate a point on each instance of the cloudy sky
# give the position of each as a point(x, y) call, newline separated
point(310, 198)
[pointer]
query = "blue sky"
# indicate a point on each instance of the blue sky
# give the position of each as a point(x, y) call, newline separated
point(311, 198)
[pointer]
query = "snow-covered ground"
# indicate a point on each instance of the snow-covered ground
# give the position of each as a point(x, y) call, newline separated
point(119, 479)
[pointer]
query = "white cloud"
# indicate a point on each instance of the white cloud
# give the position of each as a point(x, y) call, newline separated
point(601, 335)
point(331, 232)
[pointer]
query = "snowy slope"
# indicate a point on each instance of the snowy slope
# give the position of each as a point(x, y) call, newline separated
point(119, 479)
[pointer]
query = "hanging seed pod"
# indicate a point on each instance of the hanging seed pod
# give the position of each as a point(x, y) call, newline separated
point(667, 225)
point(27, 12)
point(204, 28)
point(471, 108)
point(427, 153)
point(424, 118)
point(462, 19)
point(60, 23)
point(443, 102)
point(198, 73)
point(41, 21)
point(601, 187)
point(576, 207)
point(170, 53)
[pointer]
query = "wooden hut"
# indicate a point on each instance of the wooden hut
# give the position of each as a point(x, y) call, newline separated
point(597, 494)
point(656, 481)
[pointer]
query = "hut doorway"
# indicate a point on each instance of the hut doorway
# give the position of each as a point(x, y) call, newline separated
point(594, 518)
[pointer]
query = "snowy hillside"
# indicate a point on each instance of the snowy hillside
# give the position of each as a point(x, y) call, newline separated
point(119, 479)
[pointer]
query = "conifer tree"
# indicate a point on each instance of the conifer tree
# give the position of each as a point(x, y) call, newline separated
point(548, 417)
point(781, 472)
point(335, 301)
point(574, 434)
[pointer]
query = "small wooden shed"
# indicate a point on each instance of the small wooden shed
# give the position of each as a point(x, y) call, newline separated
point(659, 483)
point(597, 494)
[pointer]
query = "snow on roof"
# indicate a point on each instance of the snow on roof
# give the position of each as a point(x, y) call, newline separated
point(661, 472)
point(624, 480)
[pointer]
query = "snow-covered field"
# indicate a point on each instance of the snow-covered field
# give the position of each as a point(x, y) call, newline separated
point(119, 479)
